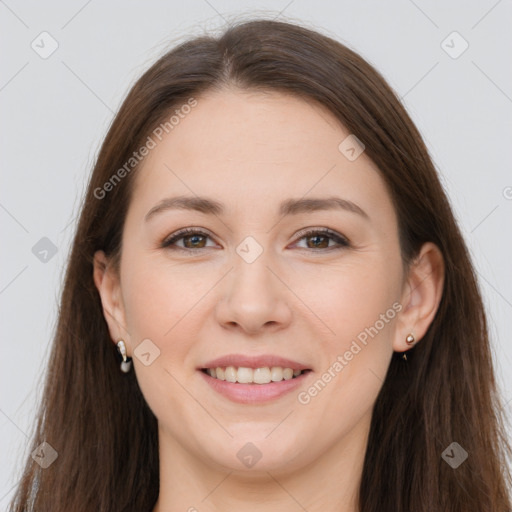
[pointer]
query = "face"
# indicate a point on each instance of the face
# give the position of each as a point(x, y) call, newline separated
point(254, 281)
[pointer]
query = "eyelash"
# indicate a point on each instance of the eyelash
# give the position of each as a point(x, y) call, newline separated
point(343, 243)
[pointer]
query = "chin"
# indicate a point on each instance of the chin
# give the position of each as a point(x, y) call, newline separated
point(254, 454)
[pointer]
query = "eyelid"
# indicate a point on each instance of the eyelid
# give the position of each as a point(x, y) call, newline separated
point(326, 231)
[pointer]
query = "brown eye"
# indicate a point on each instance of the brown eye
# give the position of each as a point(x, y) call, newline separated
point(322, 238)
point(192, 239)
point(318, 241)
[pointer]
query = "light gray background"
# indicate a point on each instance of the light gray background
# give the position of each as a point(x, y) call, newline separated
point(56, 111)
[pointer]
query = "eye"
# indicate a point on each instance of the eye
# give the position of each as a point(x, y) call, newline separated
point(192, 239)
point(320, 239)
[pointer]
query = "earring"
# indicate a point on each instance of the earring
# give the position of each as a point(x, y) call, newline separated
point(410, 339)
point(126, 363)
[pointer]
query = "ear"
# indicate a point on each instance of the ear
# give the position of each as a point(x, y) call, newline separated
point(107, 282)
point(421, 295)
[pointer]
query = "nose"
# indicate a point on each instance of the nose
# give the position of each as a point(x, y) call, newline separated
point(254, 298)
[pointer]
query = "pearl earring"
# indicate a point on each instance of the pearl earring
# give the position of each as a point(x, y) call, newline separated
point(126, 363)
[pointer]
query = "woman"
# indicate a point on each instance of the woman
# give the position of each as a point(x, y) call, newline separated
point(268, 301)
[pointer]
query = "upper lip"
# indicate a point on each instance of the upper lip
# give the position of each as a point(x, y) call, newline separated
point(261, 361)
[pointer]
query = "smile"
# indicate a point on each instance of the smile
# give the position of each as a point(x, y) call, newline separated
point(244, 375)
point(257, 386)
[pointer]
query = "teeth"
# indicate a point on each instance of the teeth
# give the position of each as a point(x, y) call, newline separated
point(287, 373)
point(244, 375)
point(230, 374)
point(276, 373)
point(261, 375)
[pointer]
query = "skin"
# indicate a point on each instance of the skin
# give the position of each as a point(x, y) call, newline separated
point(250, 151)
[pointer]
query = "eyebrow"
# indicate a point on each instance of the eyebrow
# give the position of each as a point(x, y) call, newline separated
point(288, 207)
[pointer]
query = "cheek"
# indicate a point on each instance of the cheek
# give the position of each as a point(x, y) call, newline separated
point(158, 297)
point(151, 307)
point(161, 304)
point(359, 307)
point(157, 301)
point(346, 300)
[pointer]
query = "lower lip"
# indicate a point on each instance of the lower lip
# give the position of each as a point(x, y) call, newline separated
point(254, 393)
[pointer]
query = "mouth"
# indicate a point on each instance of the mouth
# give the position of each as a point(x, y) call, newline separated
point(259, 376)
point(254, 386)
point(254, 379)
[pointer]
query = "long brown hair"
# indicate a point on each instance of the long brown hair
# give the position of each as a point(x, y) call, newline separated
point(95, 416)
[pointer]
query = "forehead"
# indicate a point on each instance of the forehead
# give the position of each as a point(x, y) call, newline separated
point(245, 126)
point(250, 149)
